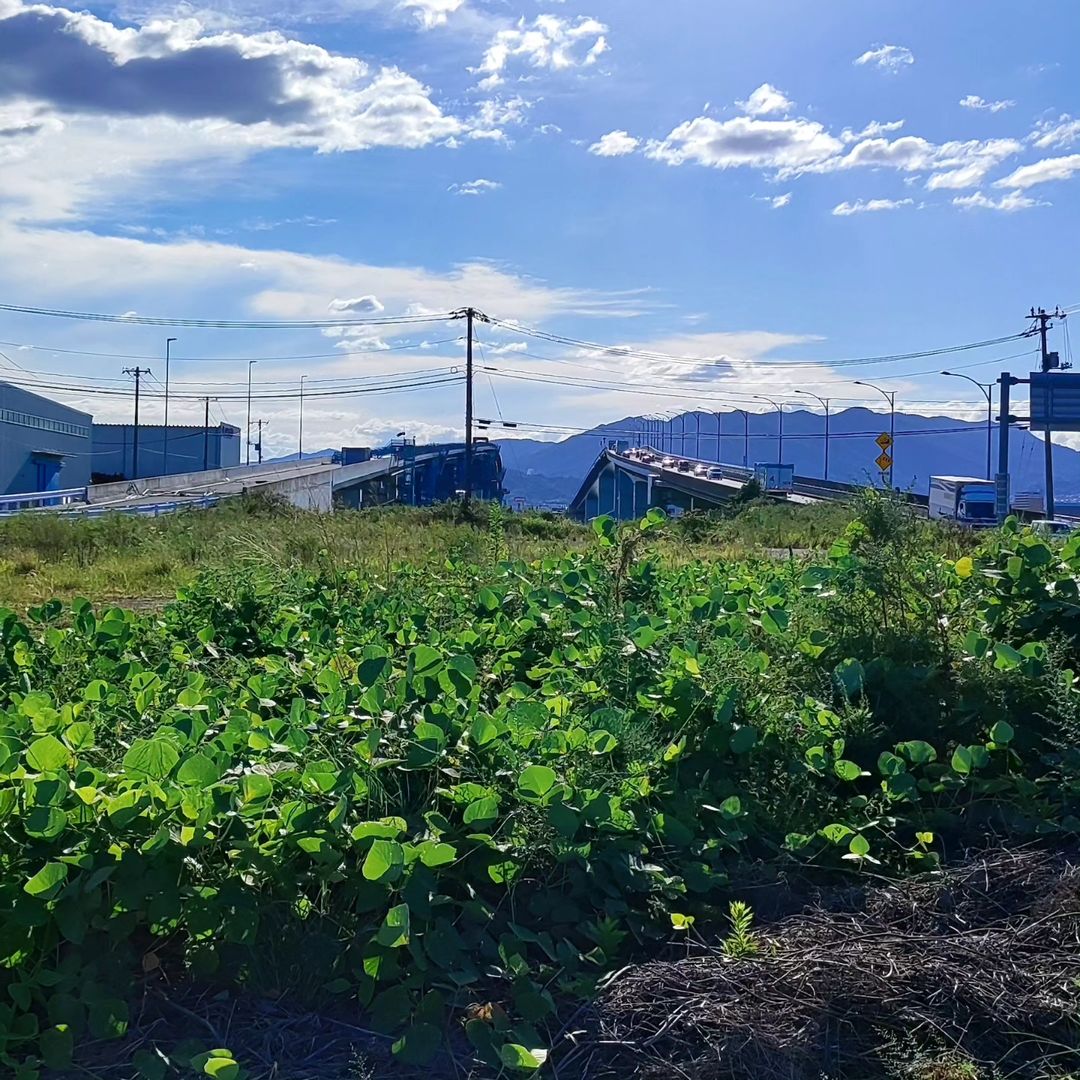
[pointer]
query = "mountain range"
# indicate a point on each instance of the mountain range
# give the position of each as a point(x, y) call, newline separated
point(551, 472)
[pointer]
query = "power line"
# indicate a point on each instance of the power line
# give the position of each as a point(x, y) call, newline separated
point(225, 324)
point(233, 359)
point(678, 391)
point(649, 354)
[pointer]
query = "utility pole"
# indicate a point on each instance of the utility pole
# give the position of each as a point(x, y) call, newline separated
point(138, 372)
point(247, 433)
point(165, 438)
point(470, 315)
point(258, 445)
point(206, 437)
point(468, 405)
point(1049, 361)
point(300, 439)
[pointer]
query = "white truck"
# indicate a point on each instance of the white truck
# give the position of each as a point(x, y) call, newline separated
point(963, 499)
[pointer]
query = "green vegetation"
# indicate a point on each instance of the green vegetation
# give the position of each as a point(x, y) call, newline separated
point(454, 796)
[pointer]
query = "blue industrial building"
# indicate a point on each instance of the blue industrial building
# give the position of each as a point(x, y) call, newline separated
point(189, 449)
point(44, 446)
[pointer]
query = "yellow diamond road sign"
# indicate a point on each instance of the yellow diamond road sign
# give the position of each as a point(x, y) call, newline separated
point(884, 462)
point(884, 440)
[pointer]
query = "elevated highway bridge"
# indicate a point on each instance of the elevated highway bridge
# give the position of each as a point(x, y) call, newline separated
point(625, 483)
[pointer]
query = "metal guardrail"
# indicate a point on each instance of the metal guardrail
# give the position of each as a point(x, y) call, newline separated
point(41, 500)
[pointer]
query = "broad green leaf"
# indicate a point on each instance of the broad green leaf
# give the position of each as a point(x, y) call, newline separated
point(151, 759)
point(859, 845)
point(483, 730)
point(1002, 732)
point(198, 771)
point(384, 862)
point(434, 854)
point(56, 1045)
point(837, 833)
point(965, 567)
point(47, 881)
point(482, 811)
point(917, 752)
point(515, 1056)
point(961, 760)
point(847, 770)
point(394, 931)
point(536, 781)
point(254, 787)
point(47, 754)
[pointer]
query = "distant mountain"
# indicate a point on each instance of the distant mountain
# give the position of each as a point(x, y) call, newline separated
point(925, 446)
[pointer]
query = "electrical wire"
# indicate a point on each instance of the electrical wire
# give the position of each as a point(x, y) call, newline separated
point(680, 392)
point(227, 324)
point(234, 359)
point(649, 354)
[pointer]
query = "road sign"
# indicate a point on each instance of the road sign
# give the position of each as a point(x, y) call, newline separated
point(884, 440)
point(884, 462)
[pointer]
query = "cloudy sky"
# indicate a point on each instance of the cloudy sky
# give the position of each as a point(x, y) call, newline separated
point(732, 196)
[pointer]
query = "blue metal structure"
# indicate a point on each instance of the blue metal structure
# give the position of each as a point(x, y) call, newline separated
point(190, 449)
point(44, 446)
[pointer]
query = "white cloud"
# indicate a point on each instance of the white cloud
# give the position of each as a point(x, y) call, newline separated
point(1057, 134)
point(102, 107)
point(973, 101)
point(362, 304)
point(1042, 172)
point(872, 130)
point(957, 164)
point(548, 42)
point(495, 114)
point(766, 99)
point(475, 187)
point(889, 58)
point(1010, 203)
point(787, 145)
point(615, 144)
point(431, 13)
point(846, 209)
point(780, 201)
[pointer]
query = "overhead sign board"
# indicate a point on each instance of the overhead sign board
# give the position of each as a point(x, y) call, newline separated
point(884, 462)
point(1055, 401)
point(884, 440)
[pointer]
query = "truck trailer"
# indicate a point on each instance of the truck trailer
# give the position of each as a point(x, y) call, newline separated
point(963, 499)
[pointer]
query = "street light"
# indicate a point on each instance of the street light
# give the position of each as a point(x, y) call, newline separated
point(165, 447)
point(247, 460)
point(988, 390)
point(825, 402)
point(746, 437)
point(780, 411)
point(890, 397)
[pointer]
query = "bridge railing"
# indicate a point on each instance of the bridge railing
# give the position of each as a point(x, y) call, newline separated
point(40, 500)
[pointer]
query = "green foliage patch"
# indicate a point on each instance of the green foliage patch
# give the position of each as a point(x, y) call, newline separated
point(485, 785)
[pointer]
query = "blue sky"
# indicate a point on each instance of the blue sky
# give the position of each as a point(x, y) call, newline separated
point(767, 186)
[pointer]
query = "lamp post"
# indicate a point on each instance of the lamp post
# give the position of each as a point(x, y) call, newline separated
point(165, 441)
point(890, 397)
point(825, 402)
point(300, 439)
point(780, 412)
point(988, 392)
point(247, 459)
